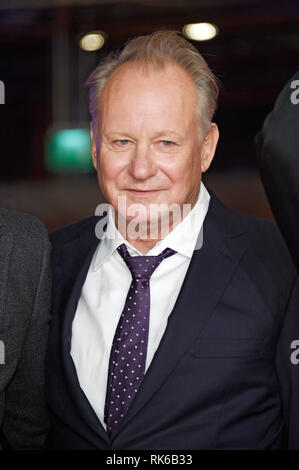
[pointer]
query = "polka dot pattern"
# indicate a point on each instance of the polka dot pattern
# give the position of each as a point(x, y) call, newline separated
point(129, 347)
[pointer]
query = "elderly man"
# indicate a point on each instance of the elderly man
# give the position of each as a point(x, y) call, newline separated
point(178, 340)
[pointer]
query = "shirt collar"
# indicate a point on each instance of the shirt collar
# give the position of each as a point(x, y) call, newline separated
point(182, 238)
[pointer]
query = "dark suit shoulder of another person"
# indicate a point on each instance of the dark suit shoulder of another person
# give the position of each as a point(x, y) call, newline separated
point(277, 146)
point(25, 278)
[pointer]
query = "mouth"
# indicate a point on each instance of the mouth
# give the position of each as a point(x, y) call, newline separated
point(143, 192)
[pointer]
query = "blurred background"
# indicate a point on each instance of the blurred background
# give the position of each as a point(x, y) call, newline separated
point(48, 48)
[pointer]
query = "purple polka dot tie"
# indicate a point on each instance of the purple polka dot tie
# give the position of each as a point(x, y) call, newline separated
point(129, 347)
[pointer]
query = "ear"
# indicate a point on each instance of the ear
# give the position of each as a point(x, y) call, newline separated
point(209, 147)
point(93, 148)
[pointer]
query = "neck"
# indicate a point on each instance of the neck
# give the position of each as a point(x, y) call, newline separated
point(145, 237)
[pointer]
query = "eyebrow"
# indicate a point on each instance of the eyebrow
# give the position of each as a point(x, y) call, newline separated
point(166, 132)
point(156, 134)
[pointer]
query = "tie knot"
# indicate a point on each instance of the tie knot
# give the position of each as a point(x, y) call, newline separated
point(142, 267)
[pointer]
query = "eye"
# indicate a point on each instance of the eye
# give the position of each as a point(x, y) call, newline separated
point(122, 142)
point(166, 143)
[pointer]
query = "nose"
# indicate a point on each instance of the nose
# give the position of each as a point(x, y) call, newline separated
point(142, 165)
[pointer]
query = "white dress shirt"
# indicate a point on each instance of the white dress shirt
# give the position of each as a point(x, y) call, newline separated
point(105, 290)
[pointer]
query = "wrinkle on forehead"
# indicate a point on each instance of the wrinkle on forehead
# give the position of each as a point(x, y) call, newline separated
point(136, 96)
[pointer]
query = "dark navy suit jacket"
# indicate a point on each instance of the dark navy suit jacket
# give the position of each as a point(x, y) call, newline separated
point(222, 376)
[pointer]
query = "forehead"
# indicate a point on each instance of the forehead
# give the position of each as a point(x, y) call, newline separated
point(136, 94)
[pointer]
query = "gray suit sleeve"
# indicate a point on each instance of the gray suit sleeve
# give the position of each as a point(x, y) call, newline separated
point(25, 420)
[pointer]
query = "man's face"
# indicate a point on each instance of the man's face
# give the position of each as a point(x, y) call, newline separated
point(148, 147)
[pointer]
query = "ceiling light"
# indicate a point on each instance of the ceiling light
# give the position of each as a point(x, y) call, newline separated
point(200, 31)
point(92, 41)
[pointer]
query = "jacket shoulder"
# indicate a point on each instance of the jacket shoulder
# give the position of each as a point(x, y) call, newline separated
point(264, 238)
point(21, 225)
point(256, 226)
point(263, 232)
point(67, 233)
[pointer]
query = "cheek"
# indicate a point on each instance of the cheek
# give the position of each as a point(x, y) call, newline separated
point(111, 166)
point(179, 170)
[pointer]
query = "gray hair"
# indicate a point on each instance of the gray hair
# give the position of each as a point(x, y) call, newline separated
point(159, 48)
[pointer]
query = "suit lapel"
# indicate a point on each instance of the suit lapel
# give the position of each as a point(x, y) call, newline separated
point(209, 273)
point(77, 257)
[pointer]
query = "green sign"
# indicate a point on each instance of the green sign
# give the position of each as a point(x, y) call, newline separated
point(68, 150)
